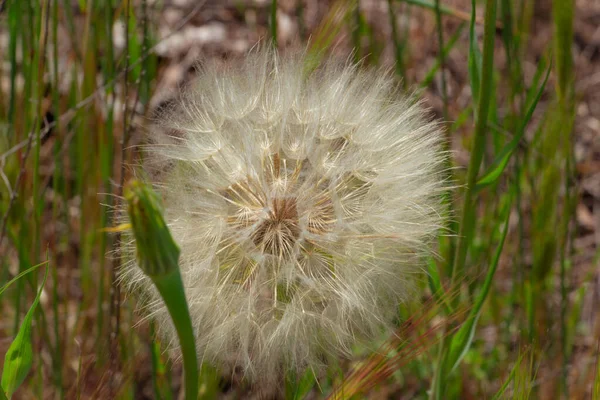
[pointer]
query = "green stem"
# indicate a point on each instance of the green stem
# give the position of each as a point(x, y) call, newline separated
point(170, 287)
point(441, 58)
point(483, 107)
point(485, 92)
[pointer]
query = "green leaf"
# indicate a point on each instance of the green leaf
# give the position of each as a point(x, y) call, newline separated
point(19, 357)
point(494, 172)
point(461, 342)
point(296, 389)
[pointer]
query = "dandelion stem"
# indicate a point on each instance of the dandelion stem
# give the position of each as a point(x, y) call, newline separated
point(170, 287)
point(158, 257)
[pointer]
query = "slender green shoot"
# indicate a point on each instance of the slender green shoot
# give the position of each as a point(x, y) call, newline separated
point(466, 221)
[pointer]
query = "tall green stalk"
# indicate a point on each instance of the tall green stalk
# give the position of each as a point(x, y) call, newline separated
point(563, 13)
point(483, 106)
point(466, 221)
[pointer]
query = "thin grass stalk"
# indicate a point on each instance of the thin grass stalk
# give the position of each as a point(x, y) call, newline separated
point(441, 58)
point(398, 45)
point(464, 235)
point(40, 64)
point(85, 160)
point(13, 27)
point(34, 39)
point(106, 156)
point(479, 142)
point(58, 355)
point(436, 66)
point(563, 15)
point(115, 291)
point(21, 122)
point(86, 101)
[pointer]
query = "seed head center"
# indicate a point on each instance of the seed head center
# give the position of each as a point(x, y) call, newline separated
point(278, 232)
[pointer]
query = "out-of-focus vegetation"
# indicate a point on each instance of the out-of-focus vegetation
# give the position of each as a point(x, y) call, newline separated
point(507, 306)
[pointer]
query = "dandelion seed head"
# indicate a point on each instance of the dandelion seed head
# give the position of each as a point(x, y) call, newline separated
point(303, 205)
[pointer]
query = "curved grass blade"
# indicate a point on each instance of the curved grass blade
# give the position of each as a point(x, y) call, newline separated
point(20, 275)
point(462, 340)
point(436, 66)
point(499, 164)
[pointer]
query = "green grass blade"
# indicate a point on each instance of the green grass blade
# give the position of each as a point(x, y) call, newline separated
point(483, 106)
point(436, 66)
point(563, 11)
point(435, 285)
point(467, 222)
point(19, 357)
point(441, 58)
point(462, 340)
point(297, 387)
point(511, 377)
point(474, 62)
point(399, 46)
point(20, 275)
point(433, 277)
point(499, 164)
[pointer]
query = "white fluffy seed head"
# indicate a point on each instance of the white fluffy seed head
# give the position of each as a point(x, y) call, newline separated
point(303, 205)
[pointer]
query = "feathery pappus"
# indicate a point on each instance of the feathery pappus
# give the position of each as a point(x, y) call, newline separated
point(303, 204)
